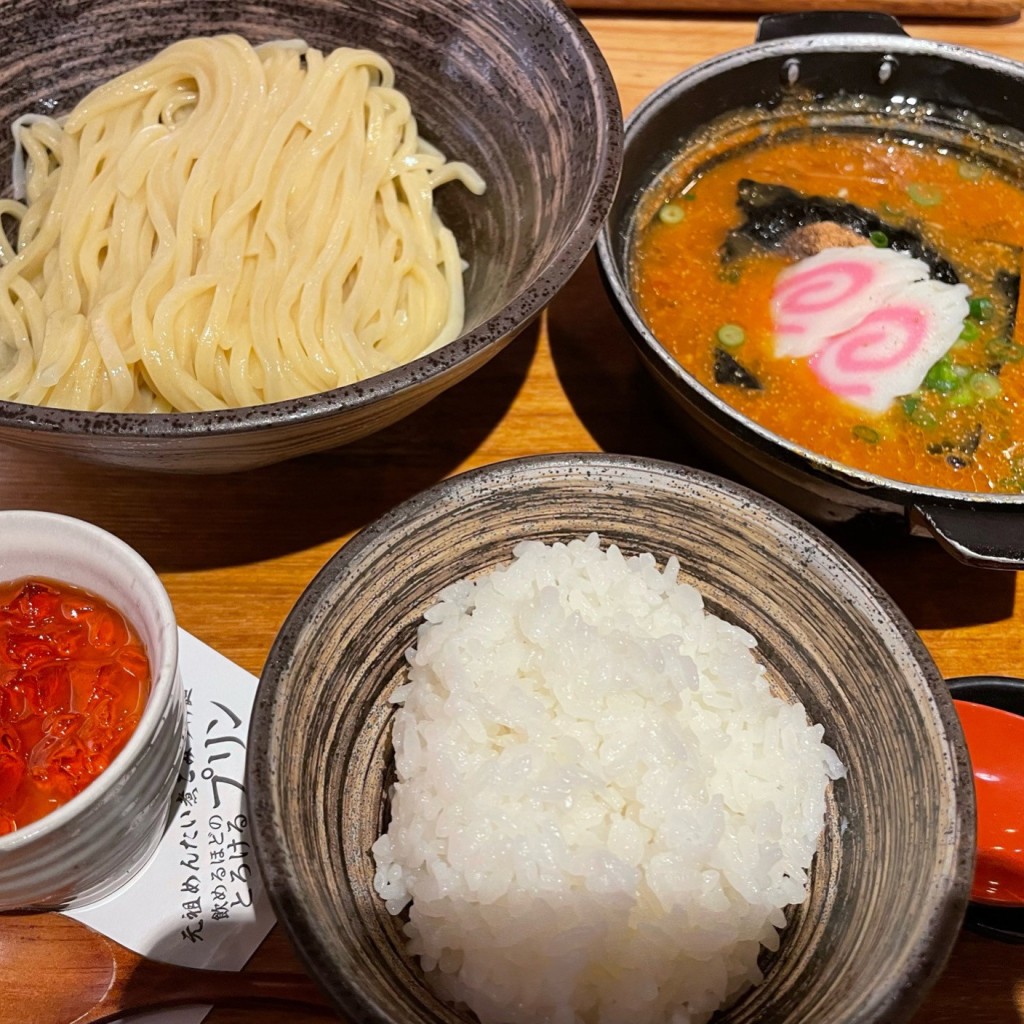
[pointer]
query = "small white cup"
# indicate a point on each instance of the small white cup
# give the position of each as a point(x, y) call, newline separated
point(93, 844)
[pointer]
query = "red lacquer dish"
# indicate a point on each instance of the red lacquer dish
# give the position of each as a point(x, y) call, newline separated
point(994, 741)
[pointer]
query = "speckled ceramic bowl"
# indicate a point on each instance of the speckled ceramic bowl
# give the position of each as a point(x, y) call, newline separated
point(515, 87)
point(892, 873)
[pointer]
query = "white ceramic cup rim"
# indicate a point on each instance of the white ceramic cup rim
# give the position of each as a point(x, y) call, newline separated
point(162, 675)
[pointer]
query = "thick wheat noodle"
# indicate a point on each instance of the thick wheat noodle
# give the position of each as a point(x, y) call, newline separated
point(224, 226)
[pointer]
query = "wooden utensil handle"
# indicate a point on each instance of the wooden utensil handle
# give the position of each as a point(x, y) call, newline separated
point(979, 9)
point(159, 985)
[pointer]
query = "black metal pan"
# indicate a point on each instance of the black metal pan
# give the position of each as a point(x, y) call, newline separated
point(825, 54)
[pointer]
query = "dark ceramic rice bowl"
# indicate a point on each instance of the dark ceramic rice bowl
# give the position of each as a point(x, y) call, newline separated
point(892, 874)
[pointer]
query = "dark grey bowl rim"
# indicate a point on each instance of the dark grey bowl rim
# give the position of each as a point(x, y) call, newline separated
point(673, 92)
point(924, 959)
point(533, 296)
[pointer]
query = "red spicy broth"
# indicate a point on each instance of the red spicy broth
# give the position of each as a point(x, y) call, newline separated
point(74, 680)
point(963, 428)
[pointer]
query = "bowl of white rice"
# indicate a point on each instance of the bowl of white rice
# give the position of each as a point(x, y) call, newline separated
point(588, 739)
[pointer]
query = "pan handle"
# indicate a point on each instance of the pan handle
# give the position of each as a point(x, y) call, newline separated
point(991, 538)
point(813, 23)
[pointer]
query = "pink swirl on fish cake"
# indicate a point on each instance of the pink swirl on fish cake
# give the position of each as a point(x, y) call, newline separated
point(821, 288)
point(871, 321)
point(864, 363)
point(832, 291)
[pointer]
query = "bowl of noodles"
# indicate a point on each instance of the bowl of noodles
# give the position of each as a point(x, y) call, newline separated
point(234, 233)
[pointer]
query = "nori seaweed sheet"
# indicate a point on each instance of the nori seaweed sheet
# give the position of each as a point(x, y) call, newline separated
point(774, 211)
point(728, 370)
point(1009, 285)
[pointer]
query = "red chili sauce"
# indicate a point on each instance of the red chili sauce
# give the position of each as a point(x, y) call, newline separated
point(74, 679)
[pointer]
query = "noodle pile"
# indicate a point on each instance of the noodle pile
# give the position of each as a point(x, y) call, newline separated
point(224, 226)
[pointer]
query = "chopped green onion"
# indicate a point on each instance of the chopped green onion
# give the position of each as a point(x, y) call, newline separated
point(924, 195)
point(985, 385)
point(1005, 351)
point(670, 213)
point(866, 434)
point(916, 412)
point(689, 196)
point(942, 377)
point(969, 332)
point(730, 276)
point(731, 335)
point(963, 395)
point(970, 171)
point(923, 418)
point(879, 239)
point(982, 308)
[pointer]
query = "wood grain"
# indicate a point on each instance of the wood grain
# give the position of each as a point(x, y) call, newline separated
point(95, 980)
point(972, 9)
point(236, 551)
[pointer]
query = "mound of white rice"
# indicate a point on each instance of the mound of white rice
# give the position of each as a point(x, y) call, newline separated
point(601, 810)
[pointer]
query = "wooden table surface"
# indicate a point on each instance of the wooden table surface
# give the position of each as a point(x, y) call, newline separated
point(236, 551)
